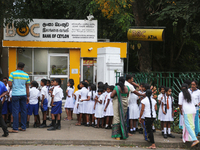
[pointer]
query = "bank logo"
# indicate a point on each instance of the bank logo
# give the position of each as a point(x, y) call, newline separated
point(138, 33)
point(23, 31)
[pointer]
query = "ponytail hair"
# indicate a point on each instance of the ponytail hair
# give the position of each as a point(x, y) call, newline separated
point(121, 83)
point(148, 94)
point(186, 93)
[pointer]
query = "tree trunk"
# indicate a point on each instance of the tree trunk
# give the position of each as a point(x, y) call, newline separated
point(144, 52)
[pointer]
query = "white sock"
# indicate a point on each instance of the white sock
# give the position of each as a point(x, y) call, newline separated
point(87, 122)
point(134, 129)
point(169, 130)
point(153, 127)
point(92, 122)
point(95, 121)
point(165, 130)
point(106, 125)
point(131, 129)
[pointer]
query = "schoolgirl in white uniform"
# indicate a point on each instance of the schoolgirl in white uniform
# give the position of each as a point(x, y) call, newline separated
point(56, 105)
point(133, 112)
point(69, 103)
point(82, 97)
point(148, 110)
point(168, 112)
point(91, 95)
point(109, 108)
point(76, 97)
point(99, 113)
point(160, 113)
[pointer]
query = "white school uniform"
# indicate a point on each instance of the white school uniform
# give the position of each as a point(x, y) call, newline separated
point(140, 105)
point(195, 95)
point(160, 113)
point(91, 102)
point(34, 94)
point(168, 115)
point(109, 110)
point(69, 103)
point(105, 94)
point(75, 110)
point(99, 109)
point(83, 105)
point(148, 108)
point(134, 112)
point(44, 92)
point(188, 108)
point(58, 94)
point(49, 96)
point(10, 95)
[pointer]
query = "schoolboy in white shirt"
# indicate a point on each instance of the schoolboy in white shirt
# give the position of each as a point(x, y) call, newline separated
point(33, 106)
point(56, 104)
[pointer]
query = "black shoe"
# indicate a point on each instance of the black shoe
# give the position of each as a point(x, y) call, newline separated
point(141, 129)
point(51, 129)
point(162, 133)
point(27, 125)
point(5, 133)
point(58, 127)
point(35, 125)
point(131, 132)
point(107, 127)
point(136, 129)
point(47, 117)
point(43, 125)
point(165, 136)
point(92, 125)
point(50, 125)
point(154, 130)
point(87, 125)
point(141, 132)
point(171, 136)
point(50, 119)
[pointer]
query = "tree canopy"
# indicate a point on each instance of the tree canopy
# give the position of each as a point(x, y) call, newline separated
point(179, 52)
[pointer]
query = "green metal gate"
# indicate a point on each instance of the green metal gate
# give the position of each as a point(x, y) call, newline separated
point(173, 80)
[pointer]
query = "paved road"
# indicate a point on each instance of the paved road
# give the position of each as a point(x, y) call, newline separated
point(52, 147)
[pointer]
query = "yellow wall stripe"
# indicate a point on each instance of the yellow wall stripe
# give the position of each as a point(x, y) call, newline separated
point(84, 46)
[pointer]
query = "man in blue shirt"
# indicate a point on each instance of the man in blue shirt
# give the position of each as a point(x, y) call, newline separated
point(3, 92)
point(19, 81)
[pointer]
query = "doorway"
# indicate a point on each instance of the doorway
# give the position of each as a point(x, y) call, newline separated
point(58, 67)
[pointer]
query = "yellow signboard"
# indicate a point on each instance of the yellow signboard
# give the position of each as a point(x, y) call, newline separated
point(146, 34)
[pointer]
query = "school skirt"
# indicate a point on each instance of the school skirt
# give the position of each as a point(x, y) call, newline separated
point(57, 109)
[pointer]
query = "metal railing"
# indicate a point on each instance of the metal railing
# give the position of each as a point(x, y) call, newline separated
point(173, 80)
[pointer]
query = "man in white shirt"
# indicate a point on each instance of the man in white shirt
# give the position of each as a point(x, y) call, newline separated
point(129, 82)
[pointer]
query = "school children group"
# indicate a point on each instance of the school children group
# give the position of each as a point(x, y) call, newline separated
point(94, 107)
point(50, 96)
point(91, 105)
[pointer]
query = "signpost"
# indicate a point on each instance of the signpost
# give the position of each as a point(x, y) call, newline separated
point(54, 30)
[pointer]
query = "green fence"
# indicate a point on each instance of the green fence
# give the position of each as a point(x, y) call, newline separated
point(173, 80)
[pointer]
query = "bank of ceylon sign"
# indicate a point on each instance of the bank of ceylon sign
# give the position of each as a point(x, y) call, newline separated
point(54, 30)
point(146, 34)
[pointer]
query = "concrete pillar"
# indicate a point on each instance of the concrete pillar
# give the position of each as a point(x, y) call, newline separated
point(108, 62)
